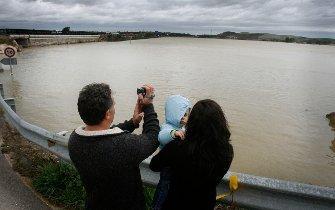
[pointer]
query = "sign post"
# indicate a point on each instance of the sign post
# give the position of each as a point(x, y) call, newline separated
point(10, 52)
point(5, 61)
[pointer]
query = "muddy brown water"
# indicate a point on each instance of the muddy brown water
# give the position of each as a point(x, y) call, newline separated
point(275, 95)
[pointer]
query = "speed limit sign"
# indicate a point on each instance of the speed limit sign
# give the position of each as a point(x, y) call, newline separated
point(9, 52)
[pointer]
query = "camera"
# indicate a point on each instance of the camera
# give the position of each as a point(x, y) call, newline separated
point(142, 91)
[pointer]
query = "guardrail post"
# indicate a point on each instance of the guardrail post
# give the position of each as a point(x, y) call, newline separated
point(1, 90)
point(11, 103)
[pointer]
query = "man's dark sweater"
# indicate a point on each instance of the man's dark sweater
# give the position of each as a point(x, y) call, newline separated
point(108, 162)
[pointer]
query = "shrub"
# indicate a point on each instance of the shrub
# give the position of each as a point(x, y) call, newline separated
point(61, 183)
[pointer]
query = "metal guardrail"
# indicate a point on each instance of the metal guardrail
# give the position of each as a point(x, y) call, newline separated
point(52, 142)
point(254, 192)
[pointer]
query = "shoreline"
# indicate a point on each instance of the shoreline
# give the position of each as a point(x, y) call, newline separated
point(49, 40)
point(21, 49)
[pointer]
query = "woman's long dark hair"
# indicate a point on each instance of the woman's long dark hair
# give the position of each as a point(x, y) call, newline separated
point(208, 137)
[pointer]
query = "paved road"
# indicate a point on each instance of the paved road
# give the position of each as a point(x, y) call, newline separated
point(14, 195)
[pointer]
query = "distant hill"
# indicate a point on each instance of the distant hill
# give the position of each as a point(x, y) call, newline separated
point(274, 38)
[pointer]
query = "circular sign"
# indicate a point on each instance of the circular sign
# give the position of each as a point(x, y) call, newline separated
point(9, 52)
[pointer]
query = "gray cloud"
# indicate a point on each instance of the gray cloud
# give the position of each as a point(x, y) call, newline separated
point(195, 16)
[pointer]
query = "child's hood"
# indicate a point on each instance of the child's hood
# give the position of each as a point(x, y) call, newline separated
point(175, 108)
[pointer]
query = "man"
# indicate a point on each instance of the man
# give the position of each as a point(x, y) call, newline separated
point(107, 158)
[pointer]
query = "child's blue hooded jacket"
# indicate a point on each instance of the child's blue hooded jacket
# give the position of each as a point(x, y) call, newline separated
point(175, 108)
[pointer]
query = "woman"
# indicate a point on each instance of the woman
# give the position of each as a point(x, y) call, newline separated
point(199, 162)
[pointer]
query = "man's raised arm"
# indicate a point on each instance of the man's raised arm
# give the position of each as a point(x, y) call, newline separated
point(147, 143)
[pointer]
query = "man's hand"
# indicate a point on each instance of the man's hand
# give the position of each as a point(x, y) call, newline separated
point(147, 99)
point(138, 114)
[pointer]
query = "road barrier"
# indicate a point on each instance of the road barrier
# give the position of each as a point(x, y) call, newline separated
point(254, 192)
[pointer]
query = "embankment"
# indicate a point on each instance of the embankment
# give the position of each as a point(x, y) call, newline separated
point(7, 40)
point(45, 40)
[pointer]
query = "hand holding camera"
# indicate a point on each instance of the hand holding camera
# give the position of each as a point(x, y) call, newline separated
point(145, 94)
point(145, 97)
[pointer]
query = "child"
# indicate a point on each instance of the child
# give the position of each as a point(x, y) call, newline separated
point(177, 109)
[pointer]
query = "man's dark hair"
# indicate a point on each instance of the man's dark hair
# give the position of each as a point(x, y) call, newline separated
point(93, 102)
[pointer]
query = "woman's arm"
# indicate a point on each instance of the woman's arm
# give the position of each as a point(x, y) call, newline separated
point(163, 158)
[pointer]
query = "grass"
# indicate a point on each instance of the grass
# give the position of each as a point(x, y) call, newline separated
point(60, 183)
point(149, 193)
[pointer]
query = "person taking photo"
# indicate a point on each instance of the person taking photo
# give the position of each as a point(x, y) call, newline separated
point(107, 157)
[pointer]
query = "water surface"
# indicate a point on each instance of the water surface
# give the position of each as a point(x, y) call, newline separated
point(275, 95)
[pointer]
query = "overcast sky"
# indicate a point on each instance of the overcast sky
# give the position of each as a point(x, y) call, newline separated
point(302, 17)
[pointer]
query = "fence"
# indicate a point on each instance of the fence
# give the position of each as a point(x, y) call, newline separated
point(254, 192)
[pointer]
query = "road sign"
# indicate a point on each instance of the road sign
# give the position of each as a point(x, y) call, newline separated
point(9, 52)
point(9, 61)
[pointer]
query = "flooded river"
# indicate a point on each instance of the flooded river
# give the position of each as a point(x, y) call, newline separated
point(275, 95)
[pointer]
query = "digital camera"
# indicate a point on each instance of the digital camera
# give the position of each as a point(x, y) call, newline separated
point(142, 91)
